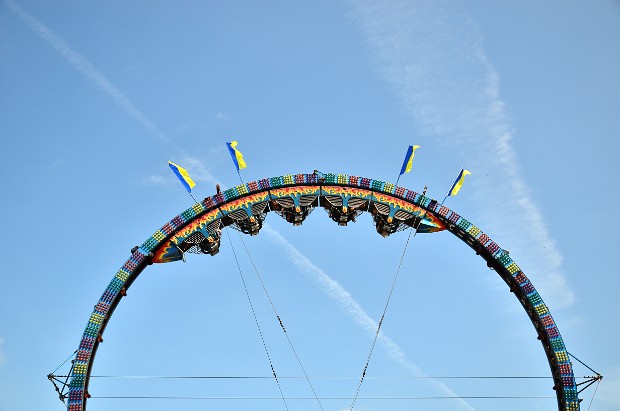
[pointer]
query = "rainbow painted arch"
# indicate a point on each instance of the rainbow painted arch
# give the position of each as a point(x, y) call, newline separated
point(198, 229)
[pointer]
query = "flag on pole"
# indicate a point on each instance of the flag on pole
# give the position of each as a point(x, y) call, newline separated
point(183, 176)
point(236, 155)
point(458, 183)
point(408, 163)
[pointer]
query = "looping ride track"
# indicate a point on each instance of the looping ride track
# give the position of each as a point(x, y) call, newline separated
point(244, 207)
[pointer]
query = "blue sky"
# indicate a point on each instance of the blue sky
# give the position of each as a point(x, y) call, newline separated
point(96, 98)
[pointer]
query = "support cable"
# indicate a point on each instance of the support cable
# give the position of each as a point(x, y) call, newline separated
point(290, 343)
point(374, 341)
point(588, 384)
point(247, 293)
point(258, 377)
point(62, 391)
point(595, 390)
point(582, 363)
point(591, 380)
point(453, 397)
point(63, 363)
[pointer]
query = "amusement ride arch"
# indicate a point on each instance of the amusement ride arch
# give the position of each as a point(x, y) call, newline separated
point(393, 208)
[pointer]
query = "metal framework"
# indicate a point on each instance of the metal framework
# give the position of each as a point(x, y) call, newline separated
point(344, 197)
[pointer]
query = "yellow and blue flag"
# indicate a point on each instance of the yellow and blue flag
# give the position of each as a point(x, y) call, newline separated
point(458, 183)
point(236, 155)
point(183, 176)
point(408, 163)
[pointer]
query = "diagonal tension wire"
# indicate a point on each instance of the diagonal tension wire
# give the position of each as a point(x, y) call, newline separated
point(374, 341)
point(55, 378)
point(247, 293)
point(584, 364)
point(64, 362)
point(290, 343)
point(595, 390)
point(591, 381)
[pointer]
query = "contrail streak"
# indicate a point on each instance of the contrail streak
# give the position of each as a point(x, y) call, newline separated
point(82, 65)
point(431, 52)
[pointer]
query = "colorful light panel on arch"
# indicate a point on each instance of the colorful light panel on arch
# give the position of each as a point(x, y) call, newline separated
point(246, 195)
point(158, 246)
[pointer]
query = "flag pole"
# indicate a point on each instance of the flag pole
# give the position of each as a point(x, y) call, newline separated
point(459, 179)
point(237, 158)
point(448, 195)
point(183, 177)
point(407, 162)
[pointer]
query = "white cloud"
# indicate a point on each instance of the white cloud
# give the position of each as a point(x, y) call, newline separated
point(346, 301)
point(157, 180)
point(82, 65)
point(431, 52)
point(198, 170)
